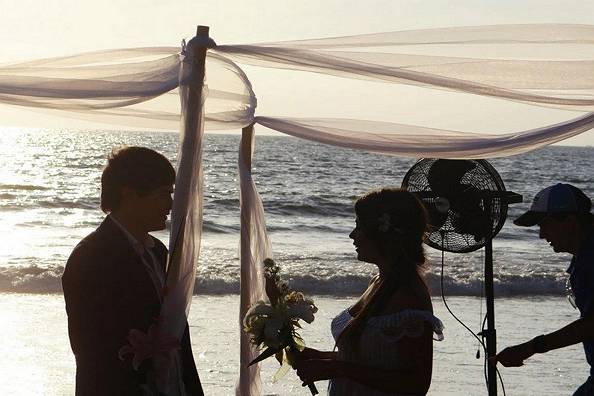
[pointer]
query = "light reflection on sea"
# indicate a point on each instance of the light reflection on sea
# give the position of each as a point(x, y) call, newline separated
point(49, 199)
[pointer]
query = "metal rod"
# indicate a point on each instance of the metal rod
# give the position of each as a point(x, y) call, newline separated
point(490, 332)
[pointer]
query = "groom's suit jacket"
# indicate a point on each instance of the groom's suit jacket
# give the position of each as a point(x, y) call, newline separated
point(108, 291)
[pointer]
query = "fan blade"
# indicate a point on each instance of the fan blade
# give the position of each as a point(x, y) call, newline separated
point(437, 218)
point(445, 176)
point(465, 198)
point(471, 217)
point(473, 222)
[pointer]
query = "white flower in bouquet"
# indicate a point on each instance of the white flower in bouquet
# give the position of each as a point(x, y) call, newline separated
point(300, 307)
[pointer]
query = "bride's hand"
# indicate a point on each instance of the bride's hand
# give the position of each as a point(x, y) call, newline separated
point(311, 353)
point(313, 370)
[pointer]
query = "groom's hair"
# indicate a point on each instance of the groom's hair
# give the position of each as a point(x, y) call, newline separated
point(139, 168)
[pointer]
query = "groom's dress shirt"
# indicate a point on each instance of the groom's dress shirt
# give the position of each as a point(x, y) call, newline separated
point(110, 289)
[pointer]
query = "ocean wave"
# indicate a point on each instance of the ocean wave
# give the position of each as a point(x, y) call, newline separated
point(230, 203)
point(23, 187)
point(57, 203)
point(31, 279)
point(37, 279)
point(312, 207)
point(7, 196)
point(216, 228)
point(20, 203)
point(504, 285)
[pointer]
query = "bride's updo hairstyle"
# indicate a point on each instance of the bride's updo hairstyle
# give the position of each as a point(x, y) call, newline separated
point(396, 221)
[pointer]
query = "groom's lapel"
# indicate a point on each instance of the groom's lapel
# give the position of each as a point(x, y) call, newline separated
point(115, 239)
point(119, 245)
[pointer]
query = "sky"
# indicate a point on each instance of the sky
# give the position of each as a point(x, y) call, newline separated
point(32, 29)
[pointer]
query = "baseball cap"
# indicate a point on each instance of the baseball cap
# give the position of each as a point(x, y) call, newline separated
point(560, 198)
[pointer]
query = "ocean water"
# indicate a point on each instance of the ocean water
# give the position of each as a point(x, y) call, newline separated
point(49, 200)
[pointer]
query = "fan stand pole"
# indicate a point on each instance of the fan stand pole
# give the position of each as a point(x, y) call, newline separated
point(490, 333)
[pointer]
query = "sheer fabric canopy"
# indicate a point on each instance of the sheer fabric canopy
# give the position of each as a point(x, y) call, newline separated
point(136, 87)
point(141, 87)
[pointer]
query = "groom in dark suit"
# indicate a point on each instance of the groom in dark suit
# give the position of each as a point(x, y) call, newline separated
point(114, 280)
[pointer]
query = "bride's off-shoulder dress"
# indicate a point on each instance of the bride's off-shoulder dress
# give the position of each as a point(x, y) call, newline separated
point(378, 345)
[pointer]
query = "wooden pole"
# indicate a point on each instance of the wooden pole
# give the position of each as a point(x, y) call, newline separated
point(194, 113)
point(247, 136)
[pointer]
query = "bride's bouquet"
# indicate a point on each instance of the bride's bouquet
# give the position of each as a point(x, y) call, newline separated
point(273, 326)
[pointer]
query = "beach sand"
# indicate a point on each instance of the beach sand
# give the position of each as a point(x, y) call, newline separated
point(36, 356)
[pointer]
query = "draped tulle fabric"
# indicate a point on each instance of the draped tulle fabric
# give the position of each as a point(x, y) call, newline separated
point(186, 213)
point(543, 65)
point(255, 247)
point(388, 70)
point(133, 86)
point(412, 140)
point(544, 33)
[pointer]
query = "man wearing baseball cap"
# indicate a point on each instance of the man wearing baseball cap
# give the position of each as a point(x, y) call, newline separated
point(563, 214)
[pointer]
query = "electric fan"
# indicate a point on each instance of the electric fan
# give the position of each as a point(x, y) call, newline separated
point(467, 205)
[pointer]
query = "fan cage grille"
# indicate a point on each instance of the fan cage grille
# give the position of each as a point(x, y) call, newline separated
point(484, 178)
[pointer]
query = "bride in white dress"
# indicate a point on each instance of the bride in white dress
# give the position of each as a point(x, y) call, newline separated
point(384, 343)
